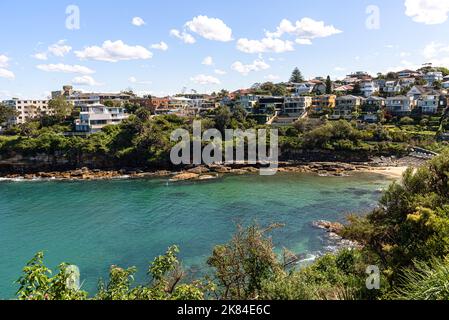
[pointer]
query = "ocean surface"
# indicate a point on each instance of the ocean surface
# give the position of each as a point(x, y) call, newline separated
point(128, 222)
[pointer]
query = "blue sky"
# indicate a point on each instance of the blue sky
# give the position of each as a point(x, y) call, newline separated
point(244, 42)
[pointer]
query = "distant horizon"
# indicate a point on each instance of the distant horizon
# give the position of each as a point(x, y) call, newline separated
point(206, 46)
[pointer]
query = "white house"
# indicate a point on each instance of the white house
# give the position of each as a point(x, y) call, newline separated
point(428, 103)
point(369, 88)
point(407, 74)
point(417, 91)
point(304, 88)
point(392, 87)
point(433, 76)
point(400, 105)
point(27, 109)
point(94, 117)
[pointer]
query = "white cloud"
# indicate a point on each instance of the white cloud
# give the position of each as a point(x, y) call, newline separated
point(40, 56)
point(244, 69)
point(85, 81)
point(434, 49)
point(138, 21)
point(437, 54)
point(220, 72)
point(160, 46)
point(339, 69)
point(264, 45)
point(59, 49)
point(114, 51)
point(65, 68)
point(4, 61)
point(272, 77)
point(427, 11)
point(305, 42)
point(204, 79)
point(306, 28)
point(135, 81)
point(184, 36)
point(6, 74)
point(210, 28)
point(208, 61)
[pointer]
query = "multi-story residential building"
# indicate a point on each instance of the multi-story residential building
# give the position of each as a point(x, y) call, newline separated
point(372, 109)
point(400, 105)
point(369, 88)
point(267, 103)
point(94, 117)
point(433, 76)
point(346, 106)
point(392, 88)
point(360, 75)
point(78, 98)
point(248, 102)
point(296, 106)
point(428, 103)
point(27, 110)
point(158, 103)
point(407, 82)
point(323, 103)
point(380, 83)
point(417, 91)
point(407, 74)
point(81, 99)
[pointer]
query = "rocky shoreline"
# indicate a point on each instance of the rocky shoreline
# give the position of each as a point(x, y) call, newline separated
point(335, 242)
point(209, 172)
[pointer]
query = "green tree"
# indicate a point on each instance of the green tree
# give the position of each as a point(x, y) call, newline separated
point(296, 76)
point(357, 90)
point(411, 223)
point(37, 284)
point(222, 118)
point(328, 85)
point(244, 263)
point(61, 107)
point(437, 85)
point(6, 113)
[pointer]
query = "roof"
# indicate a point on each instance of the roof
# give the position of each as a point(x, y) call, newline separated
point(350, 96)
point(398, 97)
point(376, 98)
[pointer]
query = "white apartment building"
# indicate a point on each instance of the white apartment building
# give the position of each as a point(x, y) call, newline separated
point(369, 88)
point(27, 109)
point(95, 117)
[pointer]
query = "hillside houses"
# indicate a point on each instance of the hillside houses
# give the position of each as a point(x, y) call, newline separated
point(359, 96)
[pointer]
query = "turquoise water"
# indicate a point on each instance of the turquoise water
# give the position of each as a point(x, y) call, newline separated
point(128, 222)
